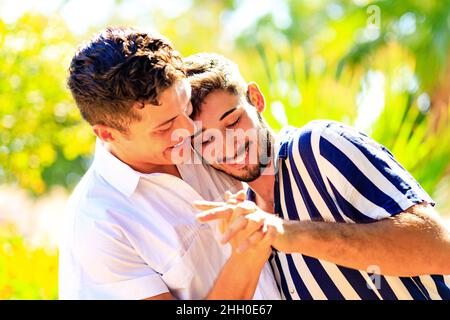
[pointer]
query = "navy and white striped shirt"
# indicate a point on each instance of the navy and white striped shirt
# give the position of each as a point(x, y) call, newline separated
point(328, 171)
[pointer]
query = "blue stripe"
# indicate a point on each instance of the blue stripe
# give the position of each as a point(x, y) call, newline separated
point(272, 267)
point(322, 278)
point(414, 193)
point(442, 288)
point(385, 290)
point(300, 286)
point(342, 163)
point(348, 209)
point(276, 197)
point(412, 288)
point(359, 181)
point(357, 281)
point(306, 154)
point(421, 287)
point(317, 269)
point(283, 283)
point(289, 197)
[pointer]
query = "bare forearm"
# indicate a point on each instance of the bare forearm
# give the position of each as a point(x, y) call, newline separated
point(238, 279)
point(402, 247)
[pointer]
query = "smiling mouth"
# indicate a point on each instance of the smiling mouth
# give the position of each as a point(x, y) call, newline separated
point(175, 146)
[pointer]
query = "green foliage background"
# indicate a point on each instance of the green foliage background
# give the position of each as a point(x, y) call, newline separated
point(316, 62)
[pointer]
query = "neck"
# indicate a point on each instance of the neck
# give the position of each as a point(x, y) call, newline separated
point(142, 167)
point(263, 186)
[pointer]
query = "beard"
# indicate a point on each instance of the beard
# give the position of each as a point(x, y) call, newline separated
point(251, 172)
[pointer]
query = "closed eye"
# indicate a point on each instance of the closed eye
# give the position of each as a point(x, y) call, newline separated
point(231, 125)
point(165, 128)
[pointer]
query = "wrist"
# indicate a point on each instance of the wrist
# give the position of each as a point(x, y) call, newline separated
point(251, 259)
point(294, 236)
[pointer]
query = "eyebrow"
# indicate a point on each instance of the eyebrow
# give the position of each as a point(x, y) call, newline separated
point(165, 122)
point(227, 113)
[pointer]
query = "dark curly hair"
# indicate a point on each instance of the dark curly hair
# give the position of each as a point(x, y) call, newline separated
point(117, 68)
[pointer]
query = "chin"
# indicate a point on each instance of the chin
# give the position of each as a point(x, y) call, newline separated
point(246, 174)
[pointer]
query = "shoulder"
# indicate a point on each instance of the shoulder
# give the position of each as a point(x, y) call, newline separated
point(305, 139)
point(326, 136)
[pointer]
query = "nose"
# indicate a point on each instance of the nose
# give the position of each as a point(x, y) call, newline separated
point(234, 140)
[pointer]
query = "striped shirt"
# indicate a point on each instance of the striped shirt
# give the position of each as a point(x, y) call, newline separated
point(327, 171)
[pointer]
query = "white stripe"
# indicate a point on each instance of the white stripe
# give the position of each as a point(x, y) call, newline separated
point(299, 263)
point(447, 281)
point(399, 289)
point(364, 165)
point(285, 268)
point(406, 176)
point(340, 281)
point(287, 274)
point(333, 271)
point(309, 184)
point(308, 278)
point(364, 205)
point(370, 284)
point(372, 173)
point(430, 286)
point(315, 140)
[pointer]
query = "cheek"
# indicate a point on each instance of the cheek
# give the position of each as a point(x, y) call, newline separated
point(149, 145)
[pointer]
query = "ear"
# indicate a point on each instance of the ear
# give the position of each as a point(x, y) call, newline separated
point(104, 133)
point(256, 97)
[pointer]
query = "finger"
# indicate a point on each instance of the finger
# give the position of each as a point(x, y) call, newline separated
point(254, 240)
point(269, 236)
point(232, 200)
point(227, 195)
point(274, 221)
point(207, 205)
point(224, 212)
point(237, 225)
point(245, 207)
point(241, 195)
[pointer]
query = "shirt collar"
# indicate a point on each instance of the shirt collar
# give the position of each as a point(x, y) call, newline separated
point(284, 137)
point(117, 173)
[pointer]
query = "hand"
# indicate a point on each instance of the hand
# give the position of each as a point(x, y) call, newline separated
point(243, 224)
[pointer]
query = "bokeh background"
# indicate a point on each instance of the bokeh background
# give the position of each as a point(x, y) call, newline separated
point(382, 66)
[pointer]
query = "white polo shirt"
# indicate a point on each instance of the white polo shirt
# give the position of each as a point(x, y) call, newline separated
point(129, 235)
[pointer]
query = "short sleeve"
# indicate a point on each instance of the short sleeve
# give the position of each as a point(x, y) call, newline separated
point(114, 268)
point(364, 176)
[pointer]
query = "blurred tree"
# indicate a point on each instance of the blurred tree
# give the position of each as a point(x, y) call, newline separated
point(42, 139)
point(317, 59)
point(423, 28)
